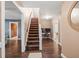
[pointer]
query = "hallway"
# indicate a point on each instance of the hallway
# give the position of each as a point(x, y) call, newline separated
point(38, 16)
point(21, 36)
point(50, 49)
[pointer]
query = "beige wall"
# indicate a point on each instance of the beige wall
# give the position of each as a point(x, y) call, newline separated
point(0, 21)
point(0, 29)
point(69, 37)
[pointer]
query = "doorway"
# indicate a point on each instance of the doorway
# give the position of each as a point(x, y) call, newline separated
point(13, 43)
point(13, 30)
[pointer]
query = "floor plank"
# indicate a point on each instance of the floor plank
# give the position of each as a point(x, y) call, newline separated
point(50, 49)
point(13, 49)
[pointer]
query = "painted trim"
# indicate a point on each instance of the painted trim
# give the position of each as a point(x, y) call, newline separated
point(40, 32)
point(27, 29)
point(3, 29)
point(22, 34)
point(40, 38)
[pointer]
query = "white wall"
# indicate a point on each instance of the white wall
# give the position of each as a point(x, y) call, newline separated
point(35, 12)
point(3, 29)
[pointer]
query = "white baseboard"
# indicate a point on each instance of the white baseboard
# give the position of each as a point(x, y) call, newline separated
point(63, 56)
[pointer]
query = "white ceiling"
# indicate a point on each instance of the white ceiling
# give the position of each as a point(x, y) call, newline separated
point(46, 7)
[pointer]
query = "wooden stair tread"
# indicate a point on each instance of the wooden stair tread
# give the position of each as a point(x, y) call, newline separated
point(33, 26)
point(33, 34)
point(34, 29)
point(33, 45)
point(33, 41)
point(33, 37)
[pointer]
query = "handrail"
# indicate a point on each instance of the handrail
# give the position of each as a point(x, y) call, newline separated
point(27, 29)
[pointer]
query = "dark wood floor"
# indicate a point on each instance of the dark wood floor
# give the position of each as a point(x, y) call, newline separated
point(12, 49)
point(50, 49)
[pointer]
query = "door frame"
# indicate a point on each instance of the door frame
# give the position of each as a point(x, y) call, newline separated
point(10, 29)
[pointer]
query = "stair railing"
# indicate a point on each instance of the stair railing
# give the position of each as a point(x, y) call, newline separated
point(40, 34)
point(27, 29)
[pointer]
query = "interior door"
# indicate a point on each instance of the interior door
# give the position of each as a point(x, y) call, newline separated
point(13, 29)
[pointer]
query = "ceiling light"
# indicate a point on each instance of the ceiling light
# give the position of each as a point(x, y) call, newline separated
point(47, 17)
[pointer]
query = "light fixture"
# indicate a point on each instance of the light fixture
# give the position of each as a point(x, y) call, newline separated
point(47, 17)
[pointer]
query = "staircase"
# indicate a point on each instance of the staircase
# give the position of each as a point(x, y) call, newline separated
point(33, 36)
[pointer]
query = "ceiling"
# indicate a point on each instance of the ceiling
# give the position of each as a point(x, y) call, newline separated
point(46, 7)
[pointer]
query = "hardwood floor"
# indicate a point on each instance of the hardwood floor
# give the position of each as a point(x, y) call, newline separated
point(50, 49)
point(13, 49)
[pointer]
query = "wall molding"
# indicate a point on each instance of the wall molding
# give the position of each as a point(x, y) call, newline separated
point(63, 56)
